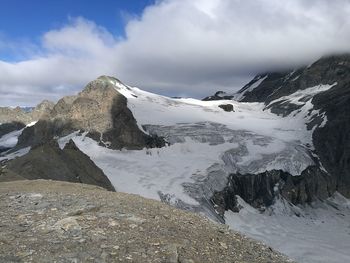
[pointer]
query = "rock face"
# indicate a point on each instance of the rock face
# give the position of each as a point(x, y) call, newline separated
point(260, 190)
point(48, 221)
point(227, 107)
point(6, 128)
point(99, 110)
point(331, 140)
point(220, 95)
point(22, 115)
point(48, 161)
point(327, 70)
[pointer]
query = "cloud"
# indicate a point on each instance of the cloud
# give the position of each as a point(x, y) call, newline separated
point(68, 59)
point(182, 47)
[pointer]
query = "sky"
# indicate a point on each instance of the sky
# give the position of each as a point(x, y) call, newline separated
point(190, 48)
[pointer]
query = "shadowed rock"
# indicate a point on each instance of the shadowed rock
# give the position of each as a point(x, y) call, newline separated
point(226, 107)
point(48, 161)
point(260, 190)
point(6, 128)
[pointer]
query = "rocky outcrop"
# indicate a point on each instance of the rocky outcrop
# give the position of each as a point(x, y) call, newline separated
point(219, 95)
point(226, 107)
point(48, 161)
point(6, 128)
point(101, 111)
point(260, 190)
point(332, 141)
point(48, 221)
point(42, 110)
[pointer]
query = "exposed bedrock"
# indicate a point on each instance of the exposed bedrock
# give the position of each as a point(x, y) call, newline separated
point(48, 161)
point(6, 128)
point(332, 142)
point(260, 190)
point(227, 107)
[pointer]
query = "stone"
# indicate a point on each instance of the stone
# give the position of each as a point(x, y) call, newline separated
point(75, 238)
point(67, 224)
point(226, 107)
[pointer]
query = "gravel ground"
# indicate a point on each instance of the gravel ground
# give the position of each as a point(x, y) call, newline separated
point(48, 221)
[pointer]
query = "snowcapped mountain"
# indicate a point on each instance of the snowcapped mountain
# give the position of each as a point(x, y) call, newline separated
point(274, 149)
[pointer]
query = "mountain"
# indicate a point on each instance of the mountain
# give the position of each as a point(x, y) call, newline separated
point(100, 110)
point(276, 151)
point(320, 93)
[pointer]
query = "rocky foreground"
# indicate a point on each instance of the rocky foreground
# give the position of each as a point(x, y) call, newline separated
point(50, 221)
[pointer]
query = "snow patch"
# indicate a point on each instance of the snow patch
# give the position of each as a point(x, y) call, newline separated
point(320, 234)
point(16, 154)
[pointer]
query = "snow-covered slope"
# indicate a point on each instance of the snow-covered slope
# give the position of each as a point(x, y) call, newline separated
point(10, 140)
point(321, 232)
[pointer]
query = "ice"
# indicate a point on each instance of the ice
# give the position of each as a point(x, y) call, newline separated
point(321, 233)
point(13, 155)
point(10, 140)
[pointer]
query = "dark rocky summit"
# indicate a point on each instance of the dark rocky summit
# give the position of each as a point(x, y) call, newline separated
point(331, 140)
point(50, 221)
point(48, 161)
point(219, 95)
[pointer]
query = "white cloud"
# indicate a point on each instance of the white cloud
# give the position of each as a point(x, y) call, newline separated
point(190, 47)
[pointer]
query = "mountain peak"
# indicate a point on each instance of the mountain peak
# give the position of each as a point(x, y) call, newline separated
point(110, 79)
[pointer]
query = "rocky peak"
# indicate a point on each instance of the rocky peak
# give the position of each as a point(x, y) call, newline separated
point(324, 89)
point(98, 109)
point(110, 79)
point(42, 110)
point(45, 105)
point(327, 70)
point(47, 161)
